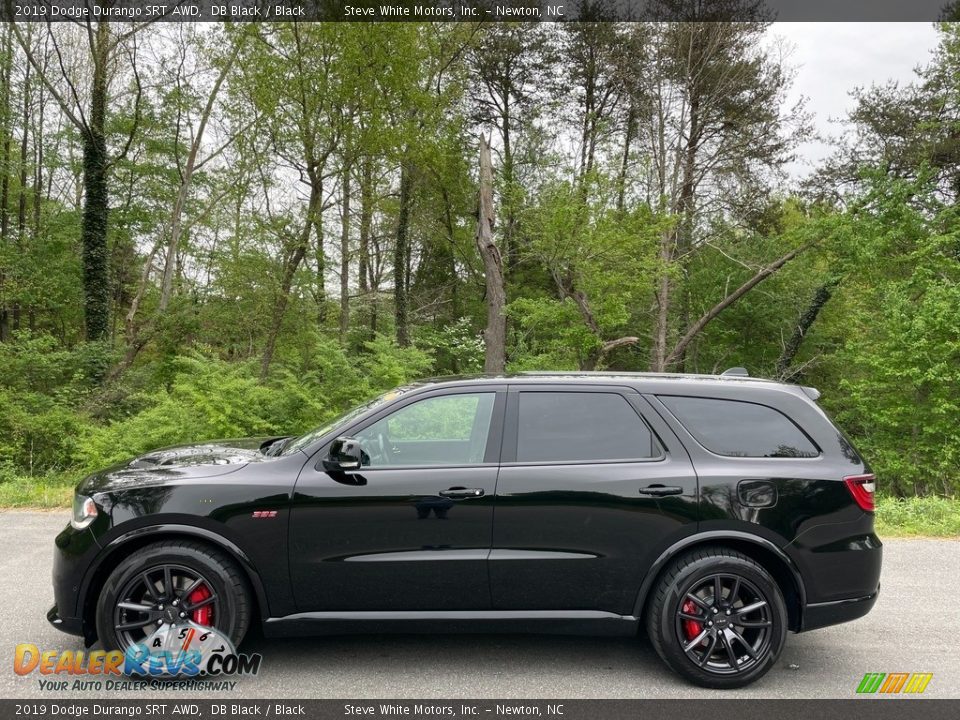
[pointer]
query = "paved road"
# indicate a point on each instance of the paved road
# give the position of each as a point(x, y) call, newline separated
point(912, 628)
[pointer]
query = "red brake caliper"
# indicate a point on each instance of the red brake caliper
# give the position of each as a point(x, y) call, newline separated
point(203, 615)
point(691, 628)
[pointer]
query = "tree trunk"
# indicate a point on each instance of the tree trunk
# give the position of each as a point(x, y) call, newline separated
point(38, 161)
point(510, 219)
point(96, 281)
point(661, 326)
point(625, 158)
point(366, 218)
point(450, 256)
point(6, 129)
point(495, 334)
point(293, 259)
point(790, 350)
point(400, 259)
point(685, 210)
point(22, 194)
point(345, 256)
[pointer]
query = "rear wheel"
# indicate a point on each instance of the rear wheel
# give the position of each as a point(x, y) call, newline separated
point(172, 582)
point(718, 618)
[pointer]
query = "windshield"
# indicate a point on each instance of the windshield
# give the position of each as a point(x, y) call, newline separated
point(303, 441)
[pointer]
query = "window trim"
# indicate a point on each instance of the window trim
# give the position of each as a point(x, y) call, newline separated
point(511, 430)
point(494, 434)
point(766, 458)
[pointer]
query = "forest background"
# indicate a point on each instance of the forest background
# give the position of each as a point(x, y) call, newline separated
point(219, 231)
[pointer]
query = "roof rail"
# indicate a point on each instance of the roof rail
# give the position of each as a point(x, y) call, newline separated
point(735, 372)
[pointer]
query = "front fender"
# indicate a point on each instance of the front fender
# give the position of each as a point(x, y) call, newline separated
point(121, 545)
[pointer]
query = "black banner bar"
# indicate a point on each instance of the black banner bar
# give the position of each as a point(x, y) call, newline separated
point(477, 10)
point(180, 707)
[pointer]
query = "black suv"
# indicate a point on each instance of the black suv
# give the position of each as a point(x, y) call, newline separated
point(717, 511)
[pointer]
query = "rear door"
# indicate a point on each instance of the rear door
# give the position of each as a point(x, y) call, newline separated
point(592, 484)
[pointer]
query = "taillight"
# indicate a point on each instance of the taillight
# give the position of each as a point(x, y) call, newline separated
point(863, 489)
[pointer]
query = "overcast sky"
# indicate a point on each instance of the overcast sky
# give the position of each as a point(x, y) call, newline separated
point(833, 58)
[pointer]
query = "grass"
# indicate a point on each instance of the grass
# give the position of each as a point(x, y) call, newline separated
point(46, 491)
point(911, 517)
point(918, 517)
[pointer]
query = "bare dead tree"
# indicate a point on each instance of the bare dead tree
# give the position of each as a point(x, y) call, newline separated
point(495, 334)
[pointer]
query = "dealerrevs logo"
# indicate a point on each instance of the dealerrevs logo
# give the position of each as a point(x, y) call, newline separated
point(894, 683)
point(186, 650)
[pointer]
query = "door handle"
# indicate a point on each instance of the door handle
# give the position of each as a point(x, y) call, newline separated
point(459, 493)
point(661, 490)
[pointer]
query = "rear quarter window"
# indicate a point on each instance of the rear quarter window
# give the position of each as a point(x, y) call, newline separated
point(740, 429)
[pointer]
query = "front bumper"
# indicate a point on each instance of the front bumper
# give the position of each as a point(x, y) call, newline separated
point(818, 615)
point(70, 625)
point(74, 551)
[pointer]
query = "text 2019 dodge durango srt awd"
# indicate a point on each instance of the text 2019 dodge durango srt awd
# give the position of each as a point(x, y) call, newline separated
point(718, 511)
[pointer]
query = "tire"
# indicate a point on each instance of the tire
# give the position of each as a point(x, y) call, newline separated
point(740, 637)
point(220, 588)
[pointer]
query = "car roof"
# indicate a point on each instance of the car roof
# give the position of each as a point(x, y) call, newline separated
point(657, 382)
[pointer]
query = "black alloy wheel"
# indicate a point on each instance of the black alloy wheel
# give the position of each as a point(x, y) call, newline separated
point(163, 594)
point(723, 622)
point(173, 582)
point(717, 617)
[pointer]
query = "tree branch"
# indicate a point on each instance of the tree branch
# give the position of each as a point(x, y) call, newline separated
point(136, 110)
point(729, 300)
point(79, 122)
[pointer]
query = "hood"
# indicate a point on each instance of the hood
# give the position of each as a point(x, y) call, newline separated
point(179, 462)
point(215, 452)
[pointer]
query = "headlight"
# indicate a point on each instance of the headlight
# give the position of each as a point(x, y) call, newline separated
point(84, 512)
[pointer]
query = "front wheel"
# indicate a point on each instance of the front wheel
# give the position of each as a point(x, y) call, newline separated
point(172, 582)
point(718, 618)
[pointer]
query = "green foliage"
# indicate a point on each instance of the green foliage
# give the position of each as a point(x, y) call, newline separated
point(605, 195)
point(894, 327)
point(206, 400)
point(46, 430)
point(918, 517)
point(457, 347)
point(548, 333)
point(41, 386)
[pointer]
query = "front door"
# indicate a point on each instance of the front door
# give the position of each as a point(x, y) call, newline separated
point(588, 493)
point(411, 529)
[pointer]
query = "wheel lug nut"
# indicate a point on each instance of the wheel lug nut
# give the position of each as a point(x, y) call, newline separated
point(715, 610)
point(728, 612)
point(160, 607)
point(183, 614)
point(160, 622)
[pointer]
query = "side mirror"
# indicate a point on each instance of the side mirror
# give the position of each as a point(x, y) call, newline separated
point(345, 455)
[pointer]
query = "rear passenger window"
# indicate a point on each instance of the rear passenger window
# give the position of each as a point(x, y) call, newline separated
point(581, 427)
point(740, 429)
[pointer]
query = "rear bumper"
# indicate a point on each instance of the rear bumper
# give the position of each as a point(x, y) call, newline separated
point(818, 615)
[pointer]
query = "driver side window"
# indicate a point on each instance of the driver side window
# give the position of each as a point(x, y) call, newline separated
point(444, 430)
